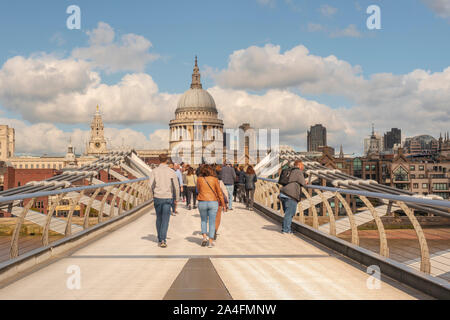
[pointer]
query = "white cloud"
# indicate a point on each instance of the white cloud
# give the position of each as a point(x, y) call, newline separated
point(266, 67)
point(315, 27)
point(131, 53)
point(284, 110)
point(440, 7)
point(327, 10)
point(48, 89)
point(351, 31)
point(269, 3)
point(46, 138)
point(417, 102)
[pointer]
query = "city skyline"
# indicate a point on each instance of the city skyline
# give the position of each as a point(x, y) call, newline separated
point(324, 72)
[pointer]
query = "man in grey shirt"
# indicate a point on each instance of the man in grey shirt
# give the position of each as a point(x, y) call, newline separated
point(165, 186)
point(228, 177)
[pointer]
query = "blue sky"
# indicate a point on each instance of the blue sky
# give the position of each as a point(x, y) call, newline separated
point(413, 36)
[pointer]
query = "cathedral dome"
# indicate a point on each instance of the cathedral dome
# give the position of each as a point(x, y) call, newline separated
point(196, 98)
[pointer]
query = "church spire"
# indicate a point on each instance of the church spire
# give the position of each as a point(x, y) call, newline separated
point(196, 84)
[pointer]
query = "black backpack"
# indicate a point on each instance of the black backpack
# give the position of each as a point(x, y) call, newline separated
point(285, 175)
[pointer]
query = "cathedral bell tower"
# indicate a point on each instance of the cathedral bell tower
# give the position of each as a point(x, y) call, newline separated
point(97, 141)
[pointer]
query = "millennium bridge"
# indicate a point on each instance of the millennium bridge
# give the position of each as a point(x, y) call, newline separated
point(353, 239)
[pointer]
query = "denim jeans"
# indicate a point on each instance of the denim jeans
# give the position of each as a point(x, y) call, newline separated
point(250, 195)
point(191, 194)
point(289, 208)
point(208, 211)
point(162, 208)
point(230, 189)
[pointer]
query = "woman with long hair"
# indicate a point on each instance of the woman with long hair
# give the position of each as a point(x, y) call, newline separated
point(209, 198)
point(250, 180)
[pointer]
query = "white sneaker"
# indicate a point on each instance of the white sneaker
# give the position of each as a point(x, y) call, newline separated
point(210, 245)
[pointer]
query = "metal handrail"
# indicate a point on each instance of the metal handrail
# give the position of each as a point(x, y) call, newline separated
point(409, 199)
point(66, 190)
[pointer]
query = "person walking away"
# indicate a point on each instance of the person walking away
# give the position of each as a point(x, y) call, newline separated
point(209, 198)
point(221, 209)
point(241, 185)
point(228, 176)
point(250, 180)
point(236, 182)
point(184, 169)
point(292, 180)
point(191, 186)
point(164, 184)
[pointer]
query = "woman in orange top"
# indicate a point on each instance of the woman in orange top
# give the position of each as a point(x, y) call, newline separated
point(209, 198)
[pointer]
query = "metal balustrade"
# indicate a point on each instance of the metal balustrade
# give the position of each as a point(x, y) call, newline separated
point(376, 204)
point(97, 203)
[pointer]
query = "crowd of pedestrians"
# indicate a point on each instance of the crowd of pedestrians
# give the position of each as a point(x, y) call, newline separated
point(212, 189)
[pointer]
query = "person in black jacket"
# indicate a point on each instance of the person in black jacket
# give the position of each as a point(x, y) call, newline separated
point(250, 180)
point(236, 182)
point(241, 185)
point(290, 195)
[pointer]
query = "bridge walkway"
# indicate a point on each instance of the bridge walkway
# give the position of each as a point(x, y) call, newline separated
point(251, 258)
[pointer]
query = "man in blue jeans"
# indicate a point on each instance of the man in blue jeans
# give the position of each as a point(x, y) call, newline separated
point(290, 194)
point(165, 186)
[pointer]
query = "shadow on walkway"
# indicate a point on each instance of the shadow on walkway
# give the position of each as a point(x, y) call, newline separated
point(152, 237)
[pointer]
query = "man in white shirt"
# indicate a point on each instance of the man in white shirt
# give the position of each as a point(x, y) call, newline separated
point(165, 186)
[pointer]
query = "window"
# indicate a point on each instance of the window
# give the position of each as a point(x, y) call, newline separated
point(367, 167)
point(374, 177)
point(373, 167)
point(412, 168)
point(26, 166)
point(339, 165)
point(421, 176)
point(37, 166)
point(421, 168)
point(415, 185)
point(31, 166)
point(20, 166)
point(413, 176)
point(357, 164)
point(400, 174)
point(439, 186)
point(424, 185)
point(367, 176)
point(54, 166)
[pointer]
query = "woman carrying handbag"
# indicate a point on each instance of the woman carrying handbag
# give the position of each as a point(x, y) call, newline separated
point(209, 198)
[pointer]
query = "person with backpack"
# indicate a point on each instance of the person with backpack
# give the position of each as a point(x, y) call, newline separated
point(250, 180)
point(292, 180)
